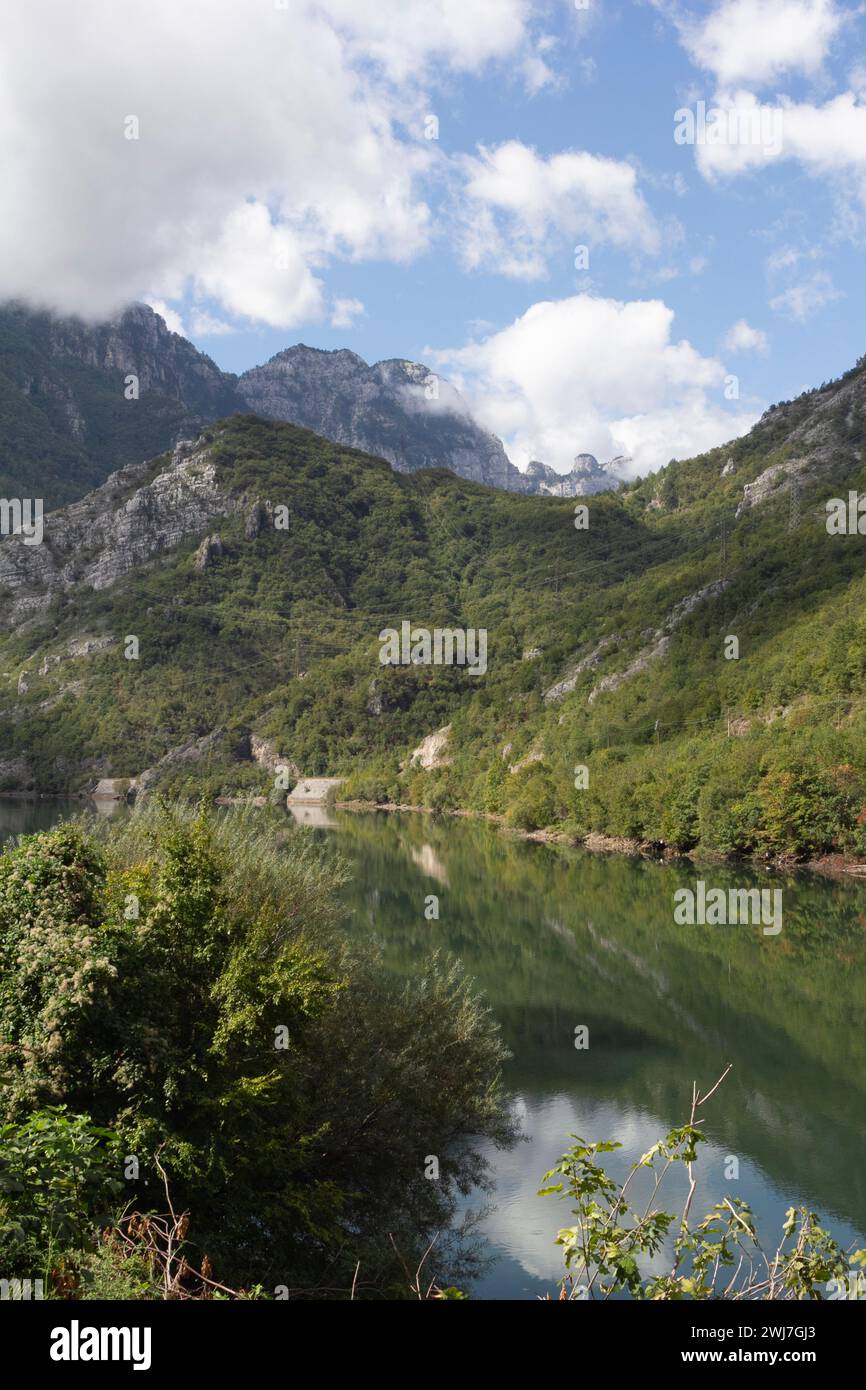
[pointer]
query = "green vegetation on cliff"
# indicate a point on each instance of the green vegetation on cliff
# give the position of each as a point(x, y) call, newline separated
point(277, 635)
point(65, 419)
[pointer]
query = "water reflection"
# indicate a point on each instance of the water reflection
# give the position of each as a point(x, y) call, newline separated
point(557, 938)
point(316, 817)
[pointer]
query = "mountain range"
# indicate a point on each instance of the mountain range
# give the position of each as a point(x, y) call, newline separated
point(70, 412)
point(586, 478)
point(687, 669)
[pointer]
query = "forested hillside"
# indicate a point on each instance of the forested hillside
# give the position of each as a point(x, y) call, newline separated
point(258, 569)
point(67, 418)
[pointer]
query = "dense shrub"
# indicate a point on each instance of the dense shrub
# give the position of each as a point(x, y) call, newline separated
point(179, 980)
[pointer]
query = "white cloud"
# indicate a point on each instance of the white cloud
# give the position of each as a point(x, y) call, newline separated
point(747, 44)
point(173, 320)
point(345, 311)
point(293, 112)
point(758, 41)
point(857, 79)
point(407, 36)
point(803, 301)
point(258, 269)
point(828, 140)
point(596, 375)
point(786, 257)
point(741, 337)
point(204, 325)
point(519, 208)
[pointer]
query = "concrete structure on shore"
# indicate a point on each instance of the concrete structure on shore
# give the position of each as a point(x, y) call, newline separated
point(313, 791)
point(111, 789)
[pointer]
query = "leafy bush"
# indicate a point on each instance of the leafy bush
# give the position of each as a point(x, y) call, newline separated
point(534, 806)
point(180, 980)
point(618, 1232)
point(59, 1179)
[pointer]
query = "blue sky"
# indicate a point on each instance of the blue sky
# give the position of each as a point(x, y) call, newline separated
point(277, 185)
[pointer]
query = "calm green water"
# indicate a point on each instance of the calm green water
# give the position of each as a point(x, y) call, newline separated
point(556, 938)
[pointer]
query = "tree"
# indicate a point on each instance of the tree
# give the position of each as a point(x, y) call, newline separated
point(180, 981)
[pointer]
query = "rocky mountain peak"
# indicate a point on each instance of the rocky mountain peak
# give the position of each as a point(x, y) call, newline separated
point(396, 409)
point(139, 341)
point(586, 478)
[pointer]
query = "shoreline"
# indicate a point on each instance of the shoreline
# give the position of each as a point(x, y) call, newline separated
point(836, 866)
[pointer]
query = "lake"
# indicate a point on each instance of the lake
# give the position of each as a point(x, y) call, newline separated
point(558, 939)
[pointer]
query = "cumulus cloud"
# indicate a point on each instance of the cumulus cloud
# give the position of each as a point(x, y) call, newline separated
point(257, 268)
point(266, 141)
point(741, 337)
point(345, 311)
point(596, 375)
point(802, 301)
point(828, 140)
point(518, 205)
point(406, 36)
point(204, 325)
point(758, 41)
point(750, 44)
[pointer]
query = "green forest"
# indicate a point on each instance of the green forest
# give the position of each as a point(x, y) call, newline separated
point(762, 754)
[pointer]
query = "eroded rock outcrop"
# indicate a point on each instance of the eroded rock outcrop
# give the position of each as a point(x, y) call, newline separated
point(573, 675)
point(771, 481)
point(586, 478)
point(190, 752)
point(265, 752)
point(659, 641)
point(534, 755)
point(430, 752)
point(117, 528)
point(210, 549)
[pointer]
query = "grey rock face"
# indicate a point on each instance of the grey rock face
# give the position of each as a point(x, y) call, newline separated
point(586, 478)
point(818, 431)
point(395, 409)
point(210, 549)
point(113, 530)
point(566, 684)
point(640, 663)
point(656, 641)
point(191, 752)
point(430, 752)
point(71, 415)
point(255, 521)
point(398, 410)
point(403, 412)
point(139, 342)
point(659, 640)
point(265, 752)
point(770, 481)
point(75, 648)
